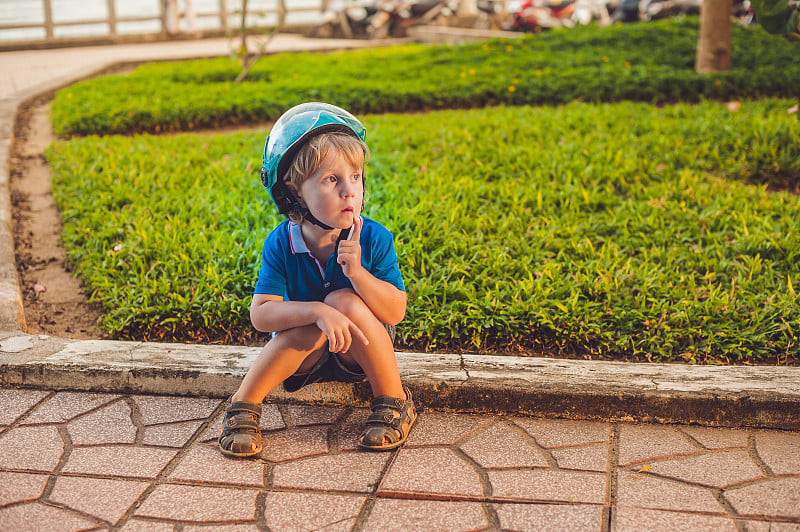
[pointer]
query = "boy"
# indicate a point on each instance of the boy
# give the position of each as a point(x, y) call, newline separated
point(329, 287)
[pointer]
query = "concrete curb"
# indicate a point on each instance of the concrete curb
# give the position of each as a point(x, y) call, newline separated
point(729, 396)
point(12, 316)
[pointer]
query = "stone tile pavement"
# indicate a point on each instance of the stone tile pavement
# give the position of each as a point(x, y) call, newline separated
point(105, 461)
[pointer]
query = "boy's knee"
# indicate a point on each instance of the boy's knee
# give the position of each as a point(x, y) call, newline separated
point(306, 338)
point(348, 303)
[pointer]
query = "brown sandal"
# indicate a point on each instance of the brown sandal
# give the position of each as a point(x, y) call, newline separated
point(240, 435)
point(389, 424)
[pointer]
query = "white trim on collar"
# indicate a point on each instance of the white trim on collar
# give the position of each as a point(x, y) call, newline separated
point(296, 239)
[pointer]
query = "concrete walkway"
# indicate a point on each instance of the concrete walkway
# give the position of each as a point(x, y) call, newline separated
point(112, 435)
point(79, 461)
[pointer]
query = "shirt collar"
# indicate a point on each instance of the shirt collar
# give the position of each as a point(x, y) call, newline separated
point(296, 239)
point(297, 242)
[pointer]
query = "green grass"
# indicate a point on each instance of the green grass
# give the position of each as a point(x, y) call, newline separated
point(651, 62)
point(609, 230)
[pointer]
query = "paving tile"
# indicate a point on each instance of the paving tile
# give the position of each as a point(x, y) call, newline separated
point(502, 446)
point(146, 525)
point(313, 415)
point(436, 428)
point(17, 402)
point(780, 451)
point(311, 511)
point(18, 487)
point(550, 517)
point(170, 435)
point(162, 409)
point(271, 419)
point(34, 448)
point(559, 432)
point(34, 516)
point(206, 464)
point(397, 515)
point(431, 470)
point(778, 497)
point(110, 424)
point(717, 438)
point(768, 526)
point(358, 472)
point(296, 442)
point(548, 485)
point(646, 442)
point(241, 527)
point(64, 406)
point(718, 469)
point(105, 499)
point(593, 457)
point(122, 460)
point(645, 491)
point(199, 503)
point(636, 520)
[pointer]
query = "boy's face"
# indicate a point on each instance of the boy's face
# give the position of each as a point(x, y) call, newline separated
point(335, 192)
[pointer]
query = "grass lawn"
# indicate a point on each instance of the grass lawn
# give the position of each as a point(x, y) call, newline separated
point(649, 62)
point(612, 230)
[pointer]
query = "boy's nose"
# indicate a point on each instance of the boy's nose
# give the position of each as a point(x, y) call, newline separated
point(349, 188)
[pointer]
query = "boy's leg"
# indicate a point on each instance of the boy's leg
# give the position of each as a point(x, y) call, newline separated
point(393, 410)
point(290, 352)
point(376, 359)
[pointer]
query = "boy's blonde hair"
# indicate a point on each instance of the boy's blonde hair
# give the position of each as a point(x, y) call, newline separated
point(314, 152)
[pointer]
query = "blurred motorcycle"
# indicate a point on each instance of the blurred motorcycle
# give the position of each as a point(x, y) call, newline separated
point(380, 19)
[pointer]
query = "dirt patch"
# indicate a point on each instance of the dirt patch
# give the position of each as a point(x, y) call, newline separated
point(55, 300)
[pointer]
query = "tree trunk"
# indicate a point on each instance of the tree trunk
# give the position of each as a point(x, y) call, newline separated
point(714, 41)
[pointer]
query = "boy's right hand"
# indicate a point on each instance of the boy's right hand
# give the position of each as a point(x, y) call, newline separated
point(339, 330)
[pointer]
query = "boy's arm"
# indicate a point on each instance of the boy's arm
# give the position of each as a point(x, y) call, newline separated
point(385, 300)
point(270, 313)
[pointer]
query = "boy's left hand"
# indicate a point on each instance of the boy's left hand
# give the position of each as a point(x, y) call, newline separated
point(350, 251)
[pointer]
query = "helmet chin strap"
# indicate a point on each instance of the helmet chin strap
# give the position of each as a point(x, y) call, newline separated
point(306, 214)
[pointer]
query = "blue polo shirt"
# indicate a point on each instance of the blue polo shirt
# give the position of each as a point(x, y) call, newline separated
point(291, 270)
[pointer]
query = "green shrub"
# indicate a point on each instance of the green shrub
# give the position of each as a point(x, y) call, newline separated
point(605, 230)
point(651, 62)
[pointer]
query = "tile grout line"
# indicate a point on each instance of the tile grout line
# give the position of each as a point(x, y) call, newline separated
point(719, 496)
point(611, 479)
point(752, 452)
point(136, 419)
point(334, 430)
point(486, 484)
point(552, 463)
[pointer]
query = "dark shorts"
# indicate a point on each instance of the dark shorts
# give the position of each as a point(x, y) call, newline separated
point(329, 369)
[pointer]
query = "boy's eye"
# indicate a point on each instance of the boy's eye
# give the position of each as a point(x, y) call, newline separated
point(331, 179)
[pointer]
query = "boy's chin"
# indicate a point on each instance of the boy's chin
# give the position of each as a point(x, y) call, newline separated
point(339, 223)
